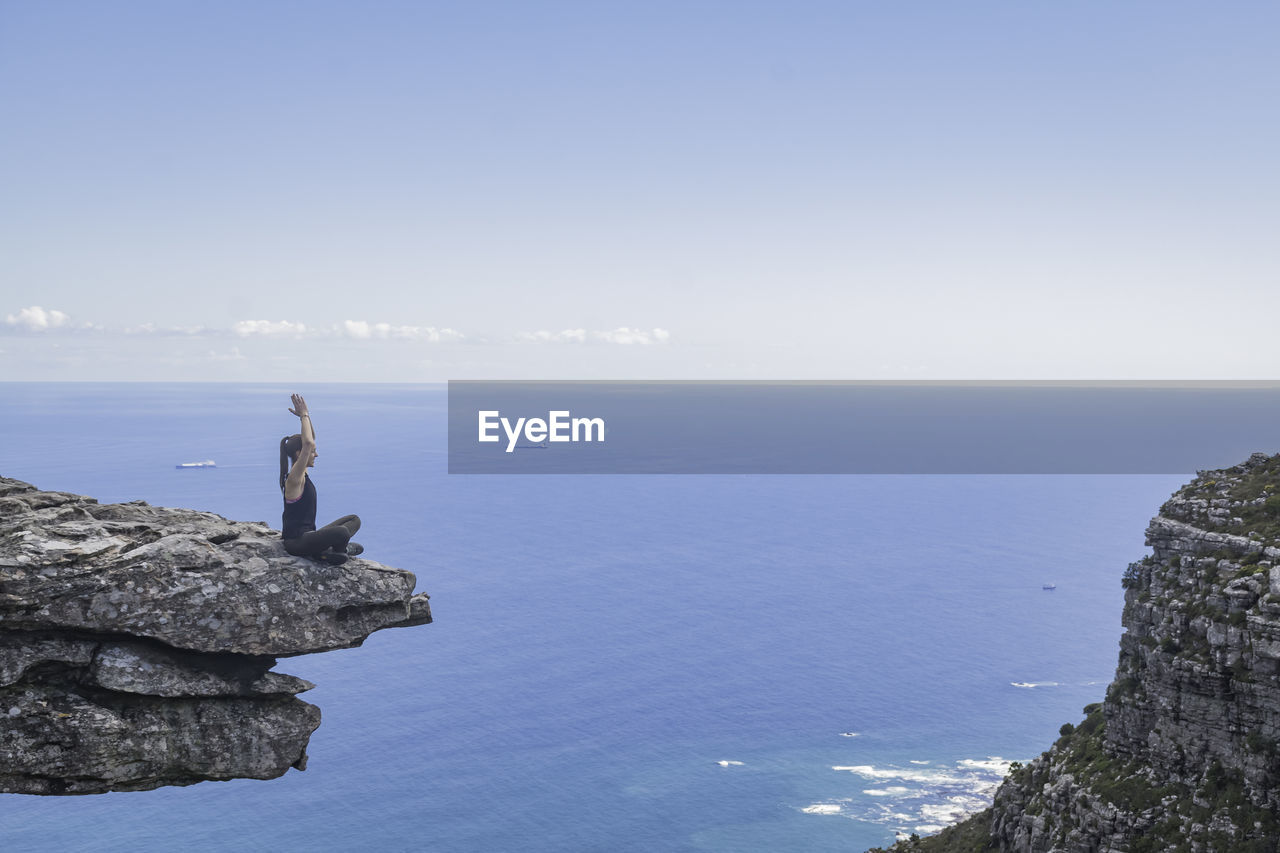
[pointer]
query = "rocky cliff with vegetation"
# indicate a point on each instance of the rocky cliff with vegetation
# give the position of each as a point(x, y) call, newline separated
point(137, 642)
point(1183, 754)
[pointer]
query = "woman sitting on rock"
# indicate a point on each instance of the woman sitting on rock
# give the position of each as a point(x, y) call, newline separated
point(331, 543)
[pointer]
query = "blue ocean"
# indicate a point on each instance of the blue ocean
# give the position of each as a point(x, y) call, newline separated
point(617, 663)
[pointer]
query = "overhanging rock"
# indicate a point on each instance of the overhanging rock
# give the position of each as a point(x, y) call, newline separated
point(136, 642)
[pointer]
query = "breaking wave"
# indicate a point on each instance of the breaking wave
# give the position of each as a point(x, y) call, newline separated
point(921, 797)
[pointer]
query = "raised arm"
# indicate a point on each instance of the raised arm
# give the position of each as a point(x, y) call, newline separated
point(296, 481)
point(300, 409)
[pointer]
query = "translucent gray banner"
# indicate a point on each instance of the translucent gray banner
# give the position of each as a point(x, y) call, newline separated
point(858, 427)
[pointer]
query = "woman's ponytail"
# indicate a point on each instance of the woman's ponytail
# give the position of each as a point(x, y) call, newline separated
point(290, 446)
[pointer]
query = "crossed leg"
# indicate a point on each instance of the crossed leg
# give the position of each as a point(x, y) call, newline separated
point(350, 522)
point(334, 535)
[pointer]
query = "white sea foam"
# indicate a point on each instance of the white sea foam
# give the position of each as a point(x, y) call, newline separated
point(952, 811)
point(822, 808)
point(866, 771)
point(729, 763)
point(1030, 684)
point(921, 798)
point(992, 763)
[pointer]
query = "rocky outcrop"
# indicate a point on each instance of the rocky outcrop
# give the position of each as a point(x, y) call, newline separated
point(137, 642)
point(1184, 753)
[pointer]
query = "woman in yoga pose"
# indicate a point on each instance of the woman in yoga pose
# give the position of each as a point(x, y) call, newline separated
point(332, 542)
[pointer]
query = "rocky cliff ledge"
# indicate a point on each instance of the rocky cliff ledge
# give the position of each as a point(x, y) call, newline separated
point(136, 642)
point(1184, 753)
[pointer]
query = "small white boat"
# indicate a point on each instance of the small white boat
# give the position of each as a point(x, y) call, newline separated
point(1050, 586)
point(208, 463)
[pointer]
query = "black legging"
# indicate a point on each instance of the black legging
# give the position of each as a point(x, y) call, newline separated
point(335, 535)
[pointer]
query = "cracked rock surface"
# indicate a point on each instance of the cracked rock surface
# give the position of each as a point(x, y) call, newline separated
point(137, 642)
point(1183, 751)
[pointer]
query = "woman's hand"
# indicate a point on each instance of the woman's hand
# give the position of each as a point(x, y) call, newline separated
point(300, 409)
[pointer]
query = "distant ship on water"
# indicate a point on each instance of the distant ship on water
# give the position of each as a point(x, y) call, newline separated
point(208, 463)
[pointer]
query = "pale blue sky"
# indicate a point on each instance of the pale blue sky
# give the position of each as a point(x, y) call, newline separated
point(630, 190)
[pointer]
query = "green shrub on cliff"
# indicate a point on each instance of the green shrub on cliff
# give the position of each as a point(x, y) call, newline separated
point(1238, 484)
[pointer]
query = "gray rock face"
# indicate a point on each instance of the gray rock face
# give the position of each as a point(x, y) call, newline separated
point(1187, 736)
point(1184, 753)
point(136, 642)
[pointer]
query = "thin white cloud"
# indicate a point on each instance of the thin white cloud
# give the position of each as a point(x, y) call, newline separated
point(37, 319)
point(620, 335)
point(568, 336)
point(269, 329)
point(363, 330)
point(624, 335)
point(356, 329)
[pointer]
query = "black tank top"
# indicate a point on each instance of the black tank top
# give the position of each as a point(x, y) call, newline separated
point(300, 516)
